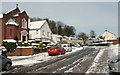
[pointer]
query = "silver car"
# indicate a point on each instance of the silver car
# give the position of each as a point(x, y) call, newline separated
point(114, 64)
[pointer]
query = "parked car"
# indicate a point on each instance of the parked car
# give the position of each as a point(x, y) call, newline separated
point(56, 50)
point(5, 62)
point(114, 64)
point(67, 47)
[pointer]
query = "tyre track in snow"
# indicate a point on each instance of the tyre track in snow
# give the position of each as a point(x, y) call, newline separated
point(60, 67)
point(59, 60)
point(24, 69)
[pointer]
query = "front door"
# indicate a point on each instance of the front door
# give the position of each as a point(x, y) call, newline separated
point(24, 38)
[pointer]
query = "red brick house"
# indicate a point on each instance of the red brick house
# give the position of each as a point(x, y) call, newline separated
point(14, 24)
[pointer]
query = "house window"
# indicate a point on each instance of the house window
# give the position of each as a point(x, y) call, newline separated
point(48, 34)
point(10, 31)
point(43, 32)
point(36, 31)
point(24, 23)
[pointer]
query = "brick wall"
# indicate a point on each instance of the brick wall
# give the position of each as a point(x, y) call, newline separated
point(23, 51)
point(14, 31)
point(0, 31)
point(114, 41)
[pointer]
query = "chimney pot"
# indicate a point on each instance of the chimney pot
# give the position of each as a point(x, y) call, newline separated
point(16, 6)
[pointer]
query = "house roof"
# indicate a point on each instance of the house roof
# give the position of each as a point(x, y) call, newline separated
point(11, 22)
point(14, 9)
point(106, 31)
point(56, 35)
point(1, 15)
point(37, 24)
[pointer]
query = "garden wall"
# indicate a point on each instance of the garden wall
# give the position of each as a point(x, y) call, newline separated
point(114, 41)
point(25, 51)
point(21, 51)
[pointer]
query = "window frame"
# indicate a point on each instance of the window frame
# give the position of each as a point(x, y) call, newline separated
point(10, 32)
point(24, 23)
point(43, 32)
point(36, 32)
point(48, 34)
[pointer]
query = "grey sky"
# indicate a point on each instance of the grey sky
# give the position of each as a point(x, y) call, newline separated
point(85, 16)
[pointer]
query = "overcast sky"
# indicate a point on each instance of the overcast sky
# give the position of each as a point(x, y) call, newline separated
point(84, 16)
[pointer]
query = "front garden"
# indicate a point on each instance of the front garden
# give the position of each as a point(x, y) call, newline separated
point(24, 48)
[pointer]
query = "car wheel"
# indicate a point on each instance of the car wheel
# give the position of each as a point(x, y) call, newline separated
point(60, 53)
point(64, 52)
point(49, 54)
point(7, 66)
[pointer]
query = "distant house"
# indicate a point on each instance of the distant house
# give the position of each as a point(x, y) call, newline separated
point(107, 35)
point(56, 38)
point(14, 24)
point(40, 30)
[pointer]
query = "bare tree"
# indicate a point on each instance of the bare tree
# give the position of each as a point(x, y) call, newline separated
point(92, 34)
point(83, 36)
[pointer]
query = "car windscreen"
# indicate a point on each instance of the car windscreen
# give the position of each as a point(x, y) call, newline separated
point(64, 45)
point(54, 47)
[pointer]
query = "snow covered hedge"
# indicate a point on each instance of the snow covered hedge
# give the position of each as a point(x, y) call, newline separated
point(10, 46)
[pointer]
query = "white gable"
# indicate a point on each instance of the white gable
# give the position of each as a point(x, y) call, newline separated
point(37, 24)
point(39, 29)
point(108, 35)
point(1, 15)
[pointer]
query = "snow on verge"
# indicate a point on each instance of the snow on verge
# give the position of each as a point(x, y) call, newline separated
point(37, 58)
point(95, 62)
point(112, 51)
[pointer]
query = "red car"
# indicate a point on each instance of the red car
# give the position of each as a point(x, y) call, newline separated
point(56, 50)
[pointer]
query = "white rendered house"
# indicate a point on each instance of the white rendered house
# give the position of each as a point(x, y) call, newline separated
point(40, 30)
point(56, 38)
point(107, 35)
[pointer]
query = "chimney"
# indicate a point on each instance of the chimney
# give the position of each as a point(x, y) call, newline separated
point(16, 6)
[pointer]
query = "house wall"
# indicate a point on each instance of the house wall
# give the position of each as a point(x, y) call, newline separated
point(54, 38)
point(108, 35)
point(14, 31)
point(18, 19)
point(0, 31)
point(46, 29)
point(23, 15)
point(33, 35)
point(5, 18)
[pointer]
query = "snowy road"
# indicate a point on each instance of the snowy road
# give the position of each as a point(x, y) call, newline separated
point(87, 60)
point(58, 64)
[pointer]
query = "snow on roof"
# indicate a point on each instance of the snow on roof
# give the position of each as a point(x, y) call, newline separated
point(10, 10)
point(9, 40)
point(36, 24)
point(59, 36)
point(15, 15)
point(1, 15)
point(54, 35)
point(12, 22)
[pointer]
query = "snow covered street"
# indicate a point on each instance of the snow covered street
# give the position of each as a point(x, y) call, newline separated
point(81, 60)
point(37, 58)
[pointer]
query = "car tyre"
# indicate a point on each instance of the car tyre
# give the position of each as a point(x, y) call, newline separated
point(50, 54)
point(60, 53)
point(7, 66)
